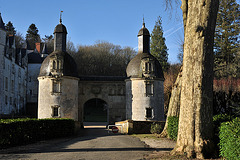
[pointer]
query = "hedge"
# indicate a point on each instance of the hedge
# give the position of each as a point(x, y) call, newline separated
point(172, 128)
point(230, 139)
point(23, 131)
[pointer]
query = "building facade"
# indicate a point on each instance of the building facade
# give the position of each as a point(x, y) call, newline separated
point(52, 88)
point(144, 86)
point(13, 75)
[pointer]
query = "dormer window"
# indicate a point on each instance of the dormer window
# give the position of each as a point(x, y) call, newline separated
point(148, 67)
point(56, 67)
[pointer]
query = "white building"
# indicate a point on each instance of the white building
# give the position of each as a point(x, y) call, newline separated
point(58, 81)
point(13, 74)
point(144, 88)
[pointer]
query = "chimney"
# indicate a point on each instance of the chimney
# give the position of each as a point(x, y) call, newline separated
point(39, 46)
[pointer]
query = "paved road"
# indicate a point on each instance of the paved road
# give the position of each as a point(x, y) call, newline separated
point(94, 143)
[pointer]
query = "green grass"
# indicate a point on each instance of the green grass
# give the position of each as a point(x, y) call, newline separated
point(141, 136)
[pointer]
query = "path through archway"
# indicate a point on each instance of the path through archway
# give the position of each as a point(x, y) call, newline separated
point(95, 110)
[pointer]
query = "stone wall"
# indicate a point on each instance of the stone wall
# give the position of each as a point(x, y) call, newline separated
point(112, 92)
point(138, 100)
point(137, 127)
point(66, 100)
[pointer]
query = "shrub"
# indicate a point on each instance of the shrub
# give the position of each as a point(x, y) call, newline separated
point(24, 131)
point(156, 128)
point(230, 139)
point(172, 128)
point(217, 120)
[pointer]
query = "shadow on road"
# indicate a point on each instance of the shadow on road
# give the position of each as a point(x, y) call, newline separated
point(77, 143)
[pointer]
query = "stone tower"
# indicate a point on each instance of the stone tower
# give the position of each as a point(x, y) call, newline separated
point(144, 86)
point(58, 81)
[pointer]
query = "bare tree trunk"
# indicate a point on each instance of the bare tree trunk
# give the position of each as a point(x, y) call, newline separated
point(174, 104)
point(195, 131)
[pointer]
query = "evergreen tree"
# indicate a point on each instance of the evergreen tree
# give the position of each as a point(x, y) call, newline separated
point(158, 46)
point(32, 36)
point(226, 39)
point(10, 29)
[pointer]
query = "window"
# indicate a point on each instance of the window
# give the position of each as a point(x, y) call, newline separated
point(56, 65)
point(3, 63)
point(149, 88)
point(19, 88)
point(10, 100)
point(149, 113)
point(56, 111)
point(6, 83)
point(6, 99)
point(12, 86)
point(30, 92)
point(30, 79)
point(19, 73)
point(56, 86)
point(13, 69)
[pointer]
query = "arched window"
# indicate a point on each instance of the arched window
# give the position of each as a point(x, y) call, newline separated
point(54, 64)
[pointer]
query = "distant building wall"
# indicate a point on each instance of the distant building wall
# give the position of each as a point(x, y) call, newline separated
point(32, 82)
point(13, 74)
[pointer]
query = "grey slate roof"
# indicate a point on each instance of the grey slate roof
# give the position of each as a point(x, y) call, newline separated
point(34, 57)
point(143, 31)
point(2, 25)
point(69, 65)
point(60, 28)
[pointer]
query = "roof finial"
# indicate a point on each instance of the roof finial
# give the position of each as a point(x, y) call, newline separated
point(143, 23)
point(60, 21)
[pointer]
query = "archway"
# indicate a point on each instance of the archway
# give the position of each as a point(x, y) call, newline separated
point(95, 110)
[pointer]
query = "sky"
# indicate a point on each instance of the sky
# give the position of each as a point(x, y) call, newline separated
point(88, 21)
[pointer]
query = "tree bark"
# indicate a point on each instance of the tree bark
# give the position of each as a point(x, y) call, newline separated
point(174, 104)
point(195, 131)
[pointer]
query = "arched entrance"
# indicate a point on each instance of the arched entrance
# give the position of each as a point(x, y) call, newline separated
point(95, 110)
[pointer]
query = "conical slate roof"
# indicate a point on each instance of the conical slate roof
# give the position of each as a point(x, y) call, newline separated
point(60, 28)
point(134, 68)
point(143, 31)
point(2, 25)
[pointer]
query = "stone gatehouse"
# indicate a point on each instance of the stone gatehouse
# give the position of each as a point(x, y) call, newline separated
point(65, 94)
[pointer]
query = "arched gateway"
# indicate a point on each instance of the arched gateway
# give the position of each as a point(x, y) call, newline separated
point(99, 92)
point(95, 110)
